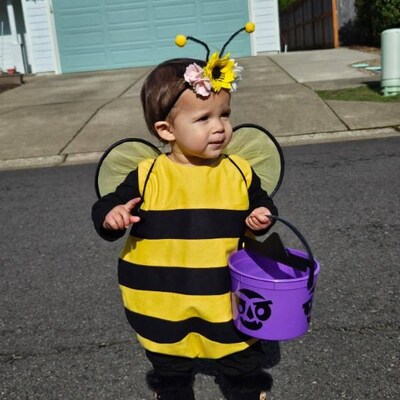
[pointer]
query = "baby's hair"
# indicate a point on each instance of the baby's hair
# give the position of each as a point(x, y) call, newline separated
point(162, 88)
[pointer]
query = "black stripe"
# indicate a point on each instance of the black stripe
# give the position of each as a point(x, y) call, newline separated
point(190, 224)
point(162, 331)
point(192, 281)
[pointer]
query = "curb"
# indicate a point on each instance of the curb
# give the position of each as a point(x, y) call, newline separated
point(293, 140)
point(32, 162)
point(340, 136)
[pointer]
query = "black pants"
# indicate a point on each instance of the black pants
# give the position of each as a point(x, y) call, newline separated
point(238, 364)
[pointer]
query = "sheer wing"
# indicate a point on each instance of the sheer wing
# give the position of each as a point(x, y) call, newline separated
point(251, 142)
point(259, 147)
point(120, 159)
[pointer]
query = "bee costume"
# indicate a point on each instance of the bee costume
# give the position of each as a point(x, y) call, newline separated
point(173, 272)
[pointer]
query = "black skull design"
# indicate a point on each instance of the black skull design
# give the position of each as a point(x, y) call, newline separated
point(252, 308)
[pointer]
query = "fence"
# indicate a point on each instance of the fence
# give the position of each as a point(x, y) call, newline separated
point(310, 24)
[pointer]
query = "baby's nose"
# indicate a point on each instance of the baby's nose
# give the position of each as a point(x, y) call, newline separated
point(218, 126)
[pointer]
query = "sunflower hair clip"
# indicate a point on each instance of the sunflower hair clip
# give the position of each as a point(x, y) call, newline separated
point(220, 72)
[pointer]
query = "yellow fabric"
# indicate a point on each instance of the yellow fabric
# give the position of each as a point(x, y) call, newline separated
point(195, 345)
point(178, 253)
point(179, 306)
point(189, 184)
point(172, 186)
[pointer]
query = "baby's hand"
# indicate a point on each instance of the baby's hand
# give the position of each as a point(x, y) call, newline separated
point(258, 219)
point(120, 216)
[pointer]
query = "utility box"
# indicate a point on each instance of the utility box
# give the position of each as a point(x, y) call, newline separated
point(390, 62)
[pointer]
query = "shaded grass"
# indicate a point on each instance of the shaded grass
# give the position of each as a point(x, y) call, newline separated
point(369, 92)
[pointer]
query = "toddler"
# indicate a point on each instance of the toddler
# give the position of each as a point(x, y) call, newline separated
point(187, 211)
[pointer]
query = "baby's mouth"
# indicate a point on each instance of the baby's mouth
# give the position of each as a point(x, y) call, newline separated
point(218, 142)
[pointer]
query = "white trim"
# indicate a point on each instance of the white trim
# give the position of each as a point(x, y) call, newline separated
point(31, 59)
point(278, 36)
point(252, 37)
point(11, 20)
point(16, 51)
point(36, 64)
point(265, 14)
point(53, 37)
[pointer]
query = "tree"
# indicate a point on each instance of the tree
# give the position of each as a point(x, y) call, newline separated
point(374, 16)
point(283, 4)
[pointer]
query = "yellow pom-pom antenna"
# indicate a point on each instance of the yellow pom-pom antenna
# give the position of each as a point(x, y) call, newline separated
point(250, 27)
point(180, 40)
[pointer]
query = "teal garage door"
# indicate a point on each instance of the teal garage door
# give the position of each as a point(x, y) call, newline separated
point(108, 34)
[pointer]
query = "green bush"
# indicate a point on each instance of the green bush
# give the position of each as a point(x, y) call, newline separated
point(373, 17)
point(283, 4)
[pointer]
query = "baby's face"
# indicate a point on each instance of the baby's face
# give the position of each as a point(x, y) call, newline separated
point(201, 127)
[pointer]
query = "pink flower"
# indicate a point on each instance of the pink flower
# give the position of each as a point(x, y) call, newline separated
point(194, 75)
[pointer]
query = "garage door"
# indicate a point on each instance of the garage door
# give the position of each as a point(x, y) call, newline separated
point(108, 34)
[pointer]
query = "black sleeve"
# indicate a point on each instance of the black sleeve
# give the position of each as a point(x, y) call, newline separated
point(127, 190)
point(258, 197)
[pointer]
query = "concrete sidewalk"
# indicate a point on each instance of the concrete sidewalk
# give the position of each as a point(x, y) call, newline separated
point(53, 120)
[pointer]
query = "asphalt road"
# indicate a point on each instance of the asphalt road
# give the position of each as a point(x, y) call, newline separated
point(63, 331)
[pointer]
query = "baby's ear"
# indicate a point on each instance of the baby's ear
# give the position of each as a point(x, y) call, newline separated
point(164, 130)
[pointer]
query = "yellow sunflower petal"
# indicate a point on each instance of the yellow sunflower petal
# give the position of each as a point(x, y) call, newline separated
point(226, 69)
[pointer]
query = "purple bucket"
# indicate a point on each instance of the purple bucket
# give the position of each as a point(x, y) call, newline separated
point(272, 300)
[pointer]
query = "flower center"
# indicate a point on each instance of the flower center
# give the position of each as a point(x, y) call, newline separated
point(216, 72)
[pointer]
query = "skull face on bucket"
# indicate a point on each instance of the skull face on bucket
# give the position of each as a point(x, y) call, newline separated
point(252, 308)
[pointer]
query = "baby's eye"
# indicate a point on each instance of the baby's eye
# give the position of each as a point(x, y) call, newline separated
point(203, 118)
point(226, 114)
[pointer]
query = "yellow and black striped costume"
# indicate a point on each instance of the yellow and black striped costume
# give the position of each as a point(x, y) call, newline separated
point(173, 270)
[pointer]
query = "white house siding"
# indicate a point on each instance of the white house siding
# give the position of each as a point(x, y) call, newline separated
point(266, 17)
point(40, 46)
point(6, 56)
point(5, 39)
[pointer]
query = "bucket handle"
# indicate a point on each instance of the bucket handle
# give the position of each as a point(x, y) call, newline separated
point(310, 281)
